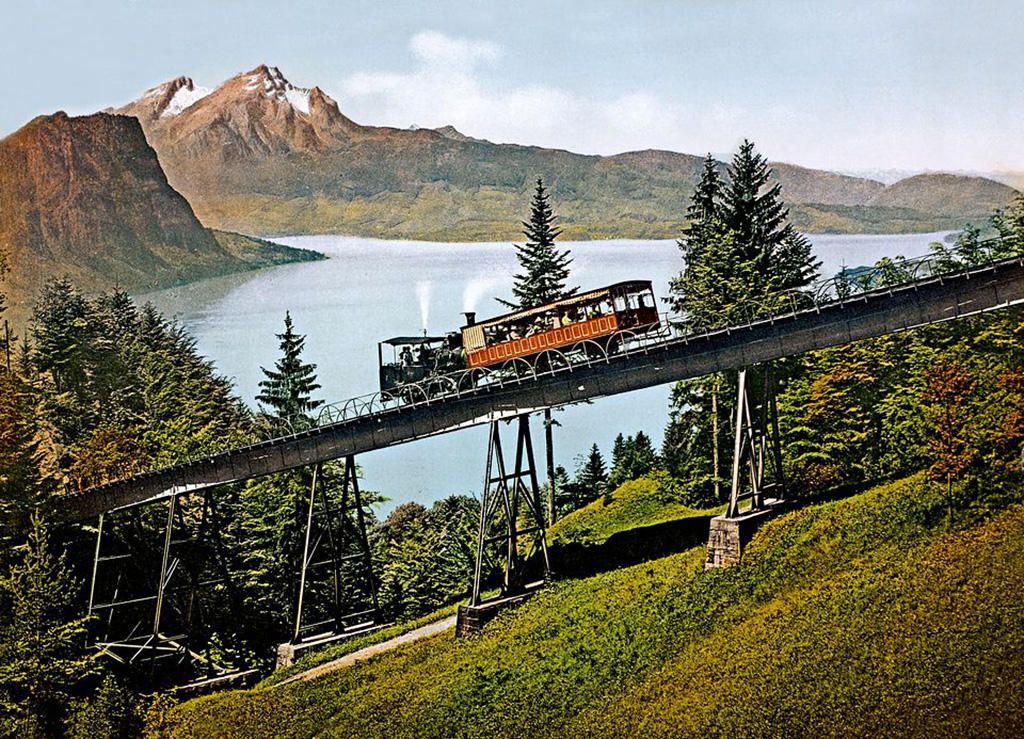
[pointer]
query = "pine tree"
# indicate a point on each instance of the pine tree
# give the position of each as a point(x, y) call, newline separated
point(593, 471)
point(644, 455)
point(742, 257)
point(545, 268)
point(19, 469)
point(41, 661)
point(589, 482)
point(713, 282)
point(288, 388)
point(635, 457)
point(60, 332)
point(542, 281)
point(780, 258)
point(705, 204)
point(619, 449)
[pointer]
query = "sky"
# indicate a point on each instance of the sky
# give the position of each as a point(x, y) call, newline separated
point(853, 86)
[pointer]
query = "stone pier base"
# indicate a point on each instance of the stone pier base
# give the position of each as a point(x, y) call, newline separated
point(729, 536)
point(471, 619)
point(288, 653)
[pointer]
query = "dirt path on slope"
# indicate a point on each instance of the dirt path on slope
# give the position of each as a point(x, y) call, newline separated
point(373, 650)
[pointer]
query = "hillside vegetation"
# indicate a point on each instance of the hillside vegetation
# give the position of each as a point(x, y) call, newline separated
point(863, 616)
point(636, 503)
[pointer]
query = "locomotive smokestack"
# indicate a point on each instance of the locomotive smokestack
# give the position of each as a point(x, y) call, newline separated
point(470, 317)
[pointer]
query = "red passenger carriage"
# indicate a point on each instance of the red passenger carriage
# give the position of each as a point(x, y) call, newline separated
point(602, 317)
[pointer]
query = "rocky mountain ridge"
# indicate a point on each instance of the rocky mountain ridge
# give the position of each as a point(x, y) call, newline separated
point(261, 155)
point(86, 197)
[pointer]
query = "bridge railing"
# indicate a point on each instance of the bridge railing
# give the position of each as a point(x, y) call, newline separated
point(848, 285)
point(886, 275)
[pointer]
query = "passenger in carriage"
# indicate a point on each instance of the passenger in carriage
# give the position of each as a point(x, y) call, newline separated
point(567, 318)
point(406, 356)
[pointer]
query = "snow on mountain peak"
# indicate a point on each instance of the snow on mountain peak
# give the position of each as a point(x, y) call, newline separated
point(273, 84)
point(187, 94)
point(172, 97)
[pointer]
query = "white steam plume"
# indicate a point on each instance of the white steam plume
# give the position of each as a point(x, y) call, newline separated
point(423, 296)
point(477, 288)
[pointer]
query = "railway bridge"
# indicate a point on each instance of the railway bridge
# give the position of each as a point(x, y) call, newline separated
point(834, 315)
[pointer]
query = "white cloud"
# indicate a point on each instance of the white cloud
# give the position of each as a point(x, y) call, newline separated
point(435, 48)
point(456, 81)
point(461, 81)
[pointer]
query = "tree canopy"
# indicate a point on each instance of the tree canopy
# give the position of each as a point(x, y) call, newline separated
point(545, 269)
point(288, 388)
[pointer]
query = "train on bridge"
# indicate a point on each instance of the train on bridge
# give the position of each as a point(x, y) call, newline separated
point(605, 314)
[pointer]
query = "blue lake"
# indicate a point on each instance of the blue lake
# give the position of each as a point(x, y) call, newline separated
point(371, 289)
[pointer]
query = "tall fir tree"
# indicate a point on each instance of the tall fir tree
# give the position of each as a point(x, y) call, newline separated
point(545, 269)
point(593, 471)
point(619, 449)
point(741, 259)
point(42, 663)
point(705, 204)
point(712, 283)
point(543, 280)
point(780, 257)
point(20, 476)
point(288, 388)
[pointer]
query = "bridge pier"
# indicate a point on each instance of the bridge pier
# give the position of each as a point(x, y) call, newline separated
point(335, 544)
point(142, 620)
point(506, 495)
point(757, 474)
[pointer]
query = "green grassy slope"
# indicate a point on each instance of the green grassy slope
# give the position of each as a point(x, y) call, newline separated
point(634, 504)
point(860, 617)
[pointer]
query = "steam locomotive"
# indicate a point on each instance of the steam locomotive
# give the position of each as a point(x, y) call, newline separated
point(605, 312)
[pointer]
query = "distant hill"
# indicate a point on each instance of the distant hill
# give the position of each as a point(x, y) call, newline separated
point(951, 196)
point(1013, 179)
point(86, 197)
point(261, 155)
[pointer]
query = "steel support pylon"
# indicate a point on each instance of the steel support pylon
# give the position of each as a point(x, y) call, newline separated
point(757, 452)
point(336, 568)
point(507, 496)
point(134, 620)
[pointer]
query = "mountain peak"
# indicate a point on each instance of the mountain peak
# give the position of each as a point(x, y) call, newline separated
point(269, 83)
point(166, 100)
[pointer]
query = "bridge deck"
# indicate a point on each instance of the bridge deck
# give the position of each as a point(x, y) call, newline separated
point(874, 313)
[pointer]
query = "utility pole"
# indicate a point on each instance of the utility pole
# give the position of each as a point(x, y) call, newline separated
point(714, 435)
point(550, 450)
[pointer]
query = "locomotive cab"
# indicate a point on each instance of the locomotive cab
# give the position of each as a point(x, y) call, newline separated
point(408, 359)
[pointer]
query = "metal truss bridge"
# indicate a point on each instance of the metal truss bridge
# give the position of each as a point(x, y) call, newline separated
point(831, 316)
